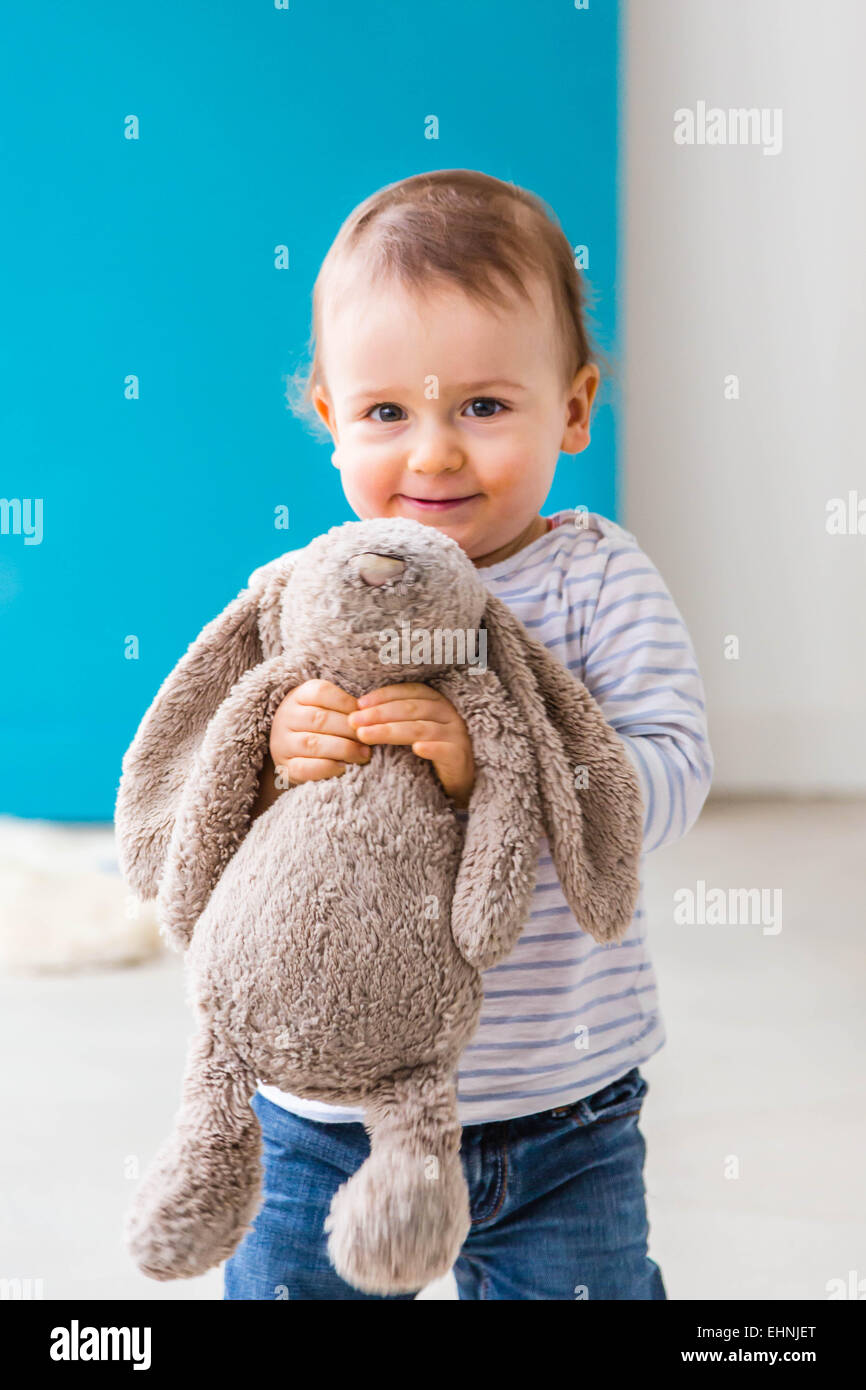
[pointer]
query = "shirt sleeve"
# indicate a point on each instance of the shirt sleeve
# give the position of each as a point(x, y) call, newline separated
point(640, 668)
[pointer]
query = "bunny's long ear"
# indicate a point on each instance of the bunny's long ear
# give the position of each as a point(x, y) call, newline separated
point(160, 757)
point(499, 863)
point(591, 803)
point(216, 806)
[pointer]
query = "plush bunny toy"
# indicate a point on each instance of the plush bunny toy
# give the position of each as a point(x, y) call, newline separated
point(333, 945)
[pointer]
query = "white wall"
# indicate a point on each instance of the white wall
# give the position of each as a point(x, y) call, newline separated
point(740, 262)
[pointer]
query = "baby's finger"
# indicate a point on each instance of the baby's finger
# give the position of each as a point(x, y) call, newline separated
point(296, 770)
point(404, 691)
point(314, 719)
point(327, 746)
point(399, 732)
point(402, 710)
point(326, 693)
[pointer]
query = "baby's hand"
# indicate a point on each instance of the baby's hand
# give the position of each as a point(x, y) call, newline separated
point(311, 737)
point(423, 717)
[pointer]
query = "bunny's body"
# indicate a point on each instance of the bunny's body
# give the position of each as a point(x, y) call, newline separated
point(334, 946)
point(348, 976)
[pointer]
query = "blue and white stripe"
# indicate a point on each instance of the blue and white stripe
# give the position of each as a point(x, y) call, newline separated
point(563, 1016)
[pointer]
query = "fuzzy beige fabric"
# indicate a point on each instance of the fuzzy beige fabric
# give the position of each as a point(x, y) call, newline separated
point(334, 946)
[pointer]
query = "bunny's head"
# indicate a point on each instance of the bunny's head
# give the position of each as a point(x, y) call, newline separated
point(380, 600)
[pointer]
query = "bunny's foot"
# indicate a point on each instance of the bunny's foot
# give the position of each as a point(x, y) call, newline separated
point(399, 1222)
point(203, 1187)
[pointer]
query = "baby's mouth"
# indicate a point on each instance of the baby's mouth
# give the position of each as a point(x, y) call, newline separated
point(435, 504)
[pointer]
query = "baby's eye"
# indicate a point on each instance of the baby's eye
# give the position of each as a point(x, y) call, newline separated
point(486, 400)
point(385, 405)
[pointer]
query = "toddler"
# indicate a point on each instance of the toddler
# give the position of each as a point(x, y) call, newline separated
point(452, 365)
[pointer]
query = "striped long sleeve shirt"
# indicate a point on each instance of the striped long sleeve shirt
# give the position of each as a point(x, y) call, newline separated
point(562, 1015)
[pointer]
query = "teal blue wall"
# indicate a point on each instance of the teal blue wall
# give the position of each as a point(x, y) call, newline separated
point(258, 126)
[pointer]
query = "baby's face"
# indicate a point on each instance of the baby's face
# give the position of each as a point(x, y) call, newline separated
point(437, 397)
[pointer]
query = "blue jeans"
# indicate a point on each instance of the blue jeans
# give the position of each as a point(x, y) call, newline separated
point(556, 1200)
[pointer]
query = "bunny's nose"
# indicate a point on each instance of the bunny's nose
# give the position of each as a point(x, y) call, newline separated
point(378, 569)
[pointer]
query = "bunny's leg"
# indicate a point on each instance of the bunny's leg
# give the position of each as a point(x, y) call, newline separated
point(203, 1187)
point(400, 1221)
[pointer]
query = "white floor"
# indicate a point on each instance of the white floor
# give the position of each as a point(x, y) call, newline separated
point(755, 1118)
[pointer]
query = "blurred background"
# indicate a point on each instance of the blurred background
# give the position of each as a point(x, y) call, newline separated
point(174, 179)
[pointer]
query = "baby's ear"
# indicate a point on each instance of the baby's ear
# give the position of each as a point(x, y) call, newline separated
point(591, 802)
point(160, 757)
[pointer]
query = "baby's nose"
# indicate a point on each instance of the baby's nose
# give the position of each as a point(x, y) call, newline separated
point(378, 569)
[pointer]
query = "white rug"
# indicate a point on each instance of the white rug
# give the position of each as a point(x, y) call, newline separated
point(63, 903)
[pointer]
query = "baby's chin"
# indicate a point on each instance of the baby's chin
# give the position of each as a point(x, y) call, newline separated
point(471, 536)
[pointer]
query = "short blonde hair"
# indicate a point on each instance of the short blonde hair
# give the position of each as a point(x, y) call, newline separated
point(458, 226)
